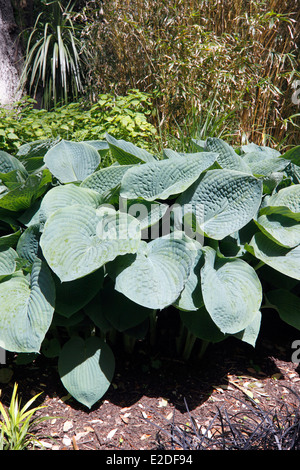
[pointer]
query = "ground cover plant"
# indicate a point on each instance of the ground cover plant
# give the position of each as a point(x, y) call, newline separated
point(126, 117)
point(87, 251)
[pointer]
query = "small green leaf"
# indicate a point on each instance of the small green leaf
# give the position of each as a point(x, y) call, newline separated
point(293, 155)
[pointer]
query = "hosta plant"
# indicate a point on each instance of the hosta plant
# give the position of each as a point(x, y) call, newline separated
point(86, 252)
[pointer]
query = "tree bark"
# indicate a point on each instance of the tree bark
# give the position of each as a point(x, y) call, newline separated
point(10, 56)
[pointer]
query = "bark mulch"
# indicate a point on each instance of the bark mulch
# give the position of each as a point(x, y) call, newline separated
point(236, 397)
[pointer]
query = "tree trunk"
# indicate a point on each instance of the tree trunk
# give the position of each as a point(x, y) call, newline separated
point(10, 56)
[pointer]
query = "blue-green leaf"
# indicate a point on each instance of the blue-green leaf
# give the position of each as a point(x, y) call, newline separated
point(86, 368)
point(72, 161)
point(231, 290)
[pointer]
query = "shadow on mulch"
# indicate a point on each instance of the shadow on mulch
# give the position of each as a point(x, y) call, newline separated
point(142, 378)
point(160, 372)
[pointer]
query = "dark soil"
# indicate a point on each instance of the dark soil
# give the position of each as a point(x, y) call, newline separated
point(152, 388)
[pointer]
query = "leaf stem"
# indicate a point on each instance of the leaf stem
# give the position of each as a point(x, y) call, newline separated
point(189, 344)
point(203, 348)
point(129, 343)
point(152, 327)
point(259, 265)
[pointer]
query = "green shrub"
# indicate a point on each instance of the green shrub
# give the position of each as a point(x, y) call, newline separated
point(126, 117)
point(88, 252)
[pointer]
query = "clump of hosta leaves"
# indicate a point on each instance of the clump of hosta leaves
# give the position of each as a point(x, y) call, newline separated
point(86, 251)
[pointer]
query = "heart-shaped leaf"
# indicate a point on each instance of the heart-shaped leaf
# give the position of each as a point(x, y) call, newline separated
point(250, 333)
point(157, 276)
point(72, 161)
point(8, 164)
point(286, 202)
point(28, 243)
point(231, 290)
point(8, 258)
point(66, 196)
point(76, 242)
point(283, 230)
point(191, 297)
point(86, 368)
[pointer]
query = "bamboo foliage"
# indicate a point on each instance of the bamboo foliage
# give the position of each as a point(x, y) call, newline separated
point(244, 54)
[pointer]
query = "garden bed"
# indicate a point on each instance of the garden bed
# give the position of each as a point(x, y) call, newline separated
point(152, 389)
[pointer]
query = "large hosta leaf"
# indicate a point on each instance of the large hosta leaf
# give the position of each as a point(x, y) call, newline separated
point(72, 161)
point(191, 297)
point(28, 244)
point(27, 306)
point(250, 333)
point(281, 229)
point(106, 179)
point(86, 368)
point(286, 304)
point(157, 276)
point(66, 196)
point(11, 169)
point(227, 157)
point(72, 296)
point(200, 324)
point(163, 178)
point(280, 216)
point(231, 290)
point(78, 240)
point(100, 145)
point(263, 151)
point(8, 258)
point(264, 166)
point(32, 154)
point(286, 202)
point(284, 260)
point(127, 153)
point(223, 201)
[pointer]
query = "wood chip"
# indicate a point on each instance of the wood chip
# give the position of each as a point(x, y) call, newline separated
point(67, 426)
point(162, 403)
point(111, 434)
